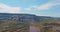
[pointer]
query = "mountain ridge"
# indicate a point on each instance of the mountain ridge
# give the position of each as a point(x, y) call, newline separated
point(24, 17)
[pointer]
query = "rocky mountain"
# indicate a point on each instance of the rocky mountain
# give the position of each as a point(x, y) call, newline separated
point(23, 17)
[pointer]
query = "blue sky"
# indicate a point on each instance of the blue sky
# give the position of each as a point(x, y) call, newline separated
point(37, 7)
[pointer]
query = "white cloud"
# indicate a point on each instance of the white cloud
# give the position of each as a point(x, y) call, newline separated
point(28, 9)
point(45, 6)
point(48, 5)
point(8, 9)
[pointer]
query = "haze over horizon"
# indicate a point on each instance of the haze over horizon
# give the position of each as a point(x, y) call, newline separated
point(37, 7)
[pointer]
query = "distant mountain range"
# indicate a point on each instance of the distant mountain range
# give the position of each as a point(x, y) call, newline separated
point(24, 17)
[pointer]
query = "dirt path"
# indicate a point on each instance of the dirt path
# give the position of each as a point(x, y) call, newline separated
point(34, 29)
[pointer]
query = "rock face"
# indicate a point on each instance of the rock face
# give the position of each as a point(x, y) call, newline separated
point(22, 17)
point(18, 17)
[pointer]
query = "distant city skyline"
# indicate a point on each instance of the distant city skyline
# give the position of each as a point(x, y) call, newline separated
point(37, 7)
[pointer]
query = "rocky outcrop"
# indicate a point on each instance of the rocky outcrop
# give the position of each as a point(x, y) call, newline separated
point(23, 17)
